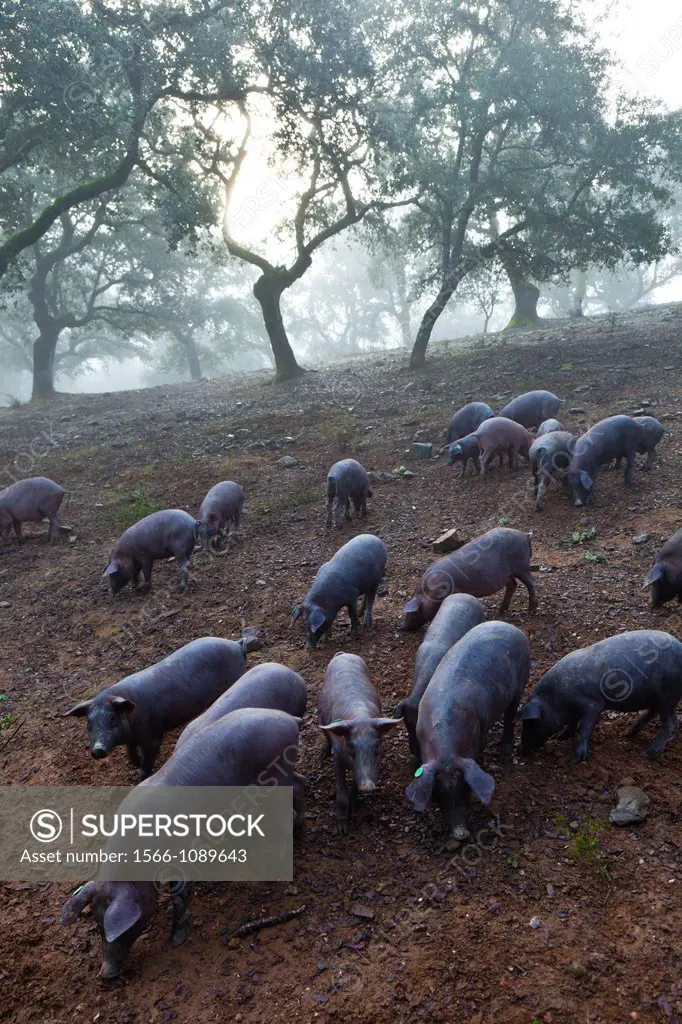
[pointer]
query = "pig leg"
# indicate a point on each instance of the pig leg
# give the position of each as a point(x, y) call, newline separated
point(540, 489)
point(354, 621)
point(346, 511)
point(150, 752)
point(507, 741)
point(134, 755)
point(513, 458)
point(55, 523)
point(483, 461)
point(643, 720)
point(508, 594)
point(668, 732)
point(650, 459)
point(17, 530)
point(629, 468)
point(589, 718)
point(182, 918)
point(329, 507)
point(342, 794)
point(147, 573)
point(529, 583)
point(368, 604)
point(569, 731)
point(135, 578)
point(184, 574)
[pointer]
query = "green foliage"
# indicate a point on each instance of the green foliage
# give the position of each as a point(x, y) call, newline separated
point(580, 536)
point(561, 822)
point(590, 556)
point(131, 509)
point(7, 718)
point(513, 859)
point(584, 848)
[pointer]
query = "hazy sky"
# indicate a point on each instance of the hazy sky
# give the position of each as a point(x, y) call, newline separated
point(647, 36)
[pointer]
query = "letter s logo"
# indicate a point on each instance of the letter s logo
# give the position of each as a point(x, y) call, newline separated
point(46, 826)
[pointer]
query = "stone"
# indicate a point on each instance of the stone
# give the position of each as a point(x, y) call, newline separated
point(641, 538)
point(421, 451)
point(5, 604)
point(534, 923)
point(646, 403)
point(381, 477)
point(577, 409)
point(287, 462)
point(451, 540)
point(633, 806)
point(577, 970)
point(359, 910)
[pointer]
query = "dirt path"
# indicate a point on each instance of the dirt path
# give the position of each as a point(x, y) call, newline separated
point(449, 936)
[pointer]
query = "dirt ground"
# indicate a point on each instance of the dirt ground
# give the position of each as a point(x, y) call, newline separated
point(446, 932)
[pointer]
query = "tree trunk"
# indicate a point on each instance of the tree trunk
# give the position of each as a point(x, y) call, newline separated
point(186, 339)
point(526, 297)
point(418, 356)
point(44, 349)
point(579, 292)
point(268, 292)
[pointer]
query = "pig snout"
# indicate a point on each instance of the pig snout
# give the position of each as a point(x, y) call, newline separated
point(99, 750)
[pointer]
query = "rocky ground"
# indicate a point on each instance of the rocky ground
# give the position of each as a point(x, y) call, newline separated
point(547, 915)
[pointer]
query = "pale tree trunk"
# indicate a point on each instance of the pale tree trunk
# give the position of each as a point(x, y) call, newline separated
point(579, 292)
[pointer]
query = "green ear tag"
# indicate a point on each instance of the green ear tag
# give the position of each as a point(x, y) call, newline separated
point(419, 771)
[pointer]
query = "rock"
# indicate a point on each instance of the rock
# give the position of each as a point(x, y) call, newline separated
point(577, 409)
point(641, 538)
point(421, 451)
point(646, 403)
point(261, 583)
point(534, 923)
point(242, 432)
point(633, 806)
point(639, 412)
point(254, 641)
point(451, 540)
point(290, 440)
point(583, 387)
point(577, 970)
point(5, 604)
point(359, 910)
point(287, 461)
point(408, 472)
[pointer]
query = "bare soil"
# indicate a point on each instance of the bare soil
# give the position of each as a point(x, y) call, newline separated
point(446, 933)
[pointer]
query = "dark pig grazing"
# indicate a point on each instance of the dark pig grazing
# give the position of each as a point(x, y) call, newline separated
point(549, 427)
point(456, 616)
point(466, 420)
point(221, 507)
point(609, 439)
point(347, 481)
point(550, 457)
point(479, 681)
point(350, 715)
point(139, 709)
point(122, 911)
point(171, 533)
point(356, 569)
point(494, 560)
point(249, 747)
point(500, 435)
point(30, 501)
point(531, 408)
point(631, 671)
point(268, 685)
point(665, 575)
point(462, 450)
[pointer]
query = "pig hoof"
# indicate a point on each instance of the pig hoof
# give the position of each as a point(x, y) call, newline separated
point(460, 833)
point(342, 826)
point(653, 753)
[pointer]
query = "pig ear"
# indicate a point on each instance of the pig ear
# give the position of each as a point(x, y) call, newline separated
point(586, 480)
point(531, 713)
point(479, 781)
point(296, 614)
point(419, 791)
point(77, 903)
point(656, 572)
point(113, 567)
point(339, 728)
point(79, 710)
point(122, 704)
point(120, 915)
point(316, 619)
point(412, 605)
point(384, 724)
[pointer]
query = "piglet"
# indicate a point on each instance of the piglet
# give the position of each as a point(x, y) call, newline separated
point(500, 435)
point(494, 560)
point(466, 420)
point(347, 481)
point(268, 685)
point(139, 709)
point(356, 569)
point(350, 716)
point(631, 671)
point(456, 616)
point(479, 681)
point(550, 456)
point(249, 747)
point(221, 507)
point(30, 501)
point(549, 427)
point(609, 439)
point(171, 533)
point(531, 408)
point(463, 450)
point(665, 575)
